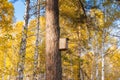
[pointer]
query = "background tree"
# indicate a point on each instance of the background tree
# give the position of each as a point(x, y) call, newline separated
point(23, 43)
point(36, 54)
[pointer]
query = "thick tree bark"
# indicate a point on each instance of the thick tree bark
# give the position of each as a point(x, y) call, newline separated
point(35, 77)
point(53, 56)
point(23, 43)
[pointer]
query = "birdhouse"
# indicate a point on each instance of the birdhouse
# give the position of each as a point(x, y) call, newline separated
point(63, 43)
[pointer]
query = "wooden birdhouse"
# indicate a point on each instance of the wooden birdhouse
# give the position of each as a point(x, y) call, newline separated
point(63, 43)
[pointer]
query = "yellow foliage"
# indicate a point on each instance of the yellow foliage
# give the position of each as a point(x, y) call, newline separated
point(99, 17)
point(6, 14)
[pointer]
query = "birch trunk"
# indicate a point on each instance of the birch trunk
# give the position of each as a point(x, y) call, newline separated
point(96, 57)
point(53, 56)
point(103, 45)
point(102, 77)
point(102, 66)
point(35, 77)
point(23, 43)
point(95, 70)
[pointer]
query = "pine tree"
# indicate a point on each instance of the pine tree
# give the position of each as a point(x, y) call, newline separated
point(53, 56)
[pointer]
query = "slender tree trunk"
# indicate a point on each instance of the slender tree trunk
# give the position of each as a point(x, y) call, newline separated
point(35, 73)
point(8, 78)
point(4, 62)
point(103, 61)
point(93, 66)
point(93, 69)
point(103, 45)
point(23, 43)
point(96, 57)
point(79, 53)
point(102, 66)
point(82, 74)
point(53, 56)
point(96, 67)
point(71, 68)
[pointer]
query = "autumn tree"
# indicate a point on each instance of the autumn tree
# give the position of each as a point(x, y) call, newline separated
point(6, 14)
point(6, 20)
point(23, 43)
point(37, 42)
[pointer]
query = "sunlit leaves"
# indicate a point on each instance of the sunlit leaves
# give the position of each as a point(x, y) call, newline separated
point(98, 16)
point(6, 13)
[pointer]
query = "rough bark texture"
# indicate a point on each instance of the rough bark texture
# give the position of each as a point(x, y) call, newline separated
point(35, 73)
point(53, 56)
point(23, 43)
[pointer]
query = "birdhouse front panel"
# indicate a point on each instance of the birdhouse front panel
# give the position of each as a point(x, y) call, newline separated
point(63, 44)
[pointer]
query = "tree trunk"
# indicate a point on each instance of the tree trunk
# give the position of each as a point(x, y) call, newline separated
point(79, 57)
point(23, 43)
point(53, 56)
point(103, 45)
point(102, 66)
point(97, 71)
point(103, 60)
point(96, 56)
point(35, 73)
